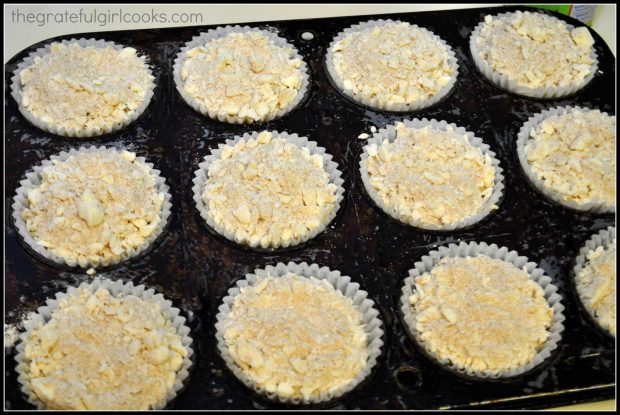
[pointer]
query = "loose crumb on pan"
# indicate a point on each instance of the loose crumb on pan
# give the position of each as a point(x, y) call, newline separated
point(11, 335)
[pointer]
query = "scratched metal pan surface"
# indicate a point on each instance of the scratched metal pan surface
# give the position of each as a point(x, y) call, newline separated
point(195, 268)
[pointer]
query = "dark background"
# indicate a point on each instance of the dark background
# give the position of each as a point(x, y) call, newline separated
point(194, 268)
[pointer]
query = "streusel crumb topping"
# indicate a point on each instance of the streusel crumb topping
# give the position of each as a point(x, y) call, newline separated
point(396, 63)
point(574, 155)
point(536, 50)
point(99, 351)
point(83, 88)
point(597, 285)
point(267, 190)
point(437, 177)
point(244, 75)
point(94, 205)
point(296, 336)
point(482, 314)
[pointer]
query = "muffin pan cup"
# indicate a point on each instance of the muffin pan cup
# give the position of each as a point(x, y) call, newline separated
point(522, 139)
point(117, 289)
point(473, 249)
point(602, 238)
point(331, 167)
point(33, 179)
point(389, 133)
point(372, 325)
point(374, 102)
point(504, 81)
point(219, 32)
point(16, 92)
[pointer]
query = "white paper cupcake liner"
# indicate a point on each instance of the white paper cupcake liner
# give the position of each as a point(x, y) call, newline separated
point(473, 249)
point(16, 92)
point(372, 324)
point(522, 139)
point(374, 102)
point(331, 167)
point(117, 289)
point(220, 32)
point(33, 179)
point(602, 238)
point(505, 82)
point(389, 133)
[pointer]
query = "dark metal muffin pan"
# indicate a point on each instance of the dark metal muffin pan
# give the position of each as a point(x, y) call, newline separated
point(194, 268)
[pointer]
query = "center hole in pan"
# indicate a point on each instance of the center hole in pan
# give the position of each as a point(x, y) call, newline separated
point(408, 377)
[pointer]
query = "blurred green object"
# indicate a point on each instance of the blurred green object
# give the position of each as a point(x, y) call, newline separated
point(582, 12)
point(560, 8)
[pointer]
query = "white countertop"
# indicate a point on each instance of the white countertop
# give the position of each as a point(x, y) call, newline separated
point(19, 34)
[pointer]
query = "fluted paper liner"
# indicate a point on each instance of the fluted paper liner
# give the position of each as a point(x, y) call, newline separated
point(117, 289)
point(522, 139)
point(33, 179)
point(389, 133)
point(602, 238)
point(331, 167)
point(202, 39)
point(473, 249)
point(505, 82)
point(373, 326)
point(16, 92)
point(374, 102)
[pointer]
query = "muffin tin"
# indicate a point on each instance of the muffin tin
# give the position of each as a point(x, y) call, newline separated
point(194, 268)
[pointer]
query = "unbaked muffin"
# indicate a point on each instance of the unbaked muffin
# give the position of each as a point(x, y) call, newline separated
point(431, 175)
point(596, 279)
point(534, 54)
point(97, 350)
point(569, 153)
point(269, 190)
point(83, 88)
point(392, 65)
point(485, 316)
point(240, 75)
point(92, 207)
point(299, 333)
